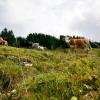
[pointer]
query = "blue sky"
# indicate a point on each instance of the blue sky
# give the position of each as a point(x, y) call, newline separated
point(54, 17)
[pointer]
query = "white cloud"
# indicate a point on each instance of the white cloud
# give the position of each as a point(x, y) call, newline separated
point(55, 17)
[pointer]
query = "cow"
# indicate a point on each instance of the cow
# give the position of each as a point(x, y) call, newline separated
point(3, 42)
point(38, 47)
point(35, 45)
point(78, 43)
point(41, 48)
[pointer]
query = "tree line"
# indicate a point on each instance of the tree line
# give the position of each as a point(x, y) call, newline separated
point(45, 40)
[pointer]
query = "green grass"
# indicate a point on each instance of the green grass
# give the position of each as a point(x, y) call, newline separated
point(54, 75)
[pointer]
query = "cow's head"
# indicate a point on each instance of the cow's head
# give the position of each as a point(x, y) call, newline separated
point(66, 39)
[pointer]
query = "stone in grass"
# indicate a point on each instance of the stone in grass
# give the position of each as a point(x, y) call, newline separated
point(27, 64)
point(74, 98)
point(13, 91)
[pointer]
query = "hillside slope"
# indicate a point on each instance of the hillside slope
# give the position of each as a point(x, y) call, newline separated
point(27, 74)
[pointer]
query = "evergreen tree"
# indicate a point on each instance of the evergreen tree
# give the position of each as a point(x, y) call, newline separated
point(21, 42)
point(62, 43)
point(8, 36)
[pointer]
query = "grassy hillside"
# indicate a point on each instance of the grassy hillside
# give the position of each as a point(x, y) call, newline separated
point(27, 74)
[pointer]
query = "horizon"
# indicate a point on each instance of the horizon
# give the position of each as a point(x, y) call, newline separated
point(58, 37)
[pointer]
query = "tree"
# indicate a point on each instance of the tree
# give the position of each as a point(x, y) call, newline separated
point(21, 42)
point(8, 36)
point(62, 43)
point(95, 44)
point(45, 40)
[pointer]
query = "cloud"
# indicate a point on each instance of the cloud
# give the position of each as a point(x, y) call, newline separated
point(89, 23)
point(90, 27)
point(55, 17)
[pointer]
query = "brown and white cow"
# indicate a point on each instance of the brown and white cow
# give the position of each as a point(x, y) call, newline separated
point(3, 42)
point(78, 43)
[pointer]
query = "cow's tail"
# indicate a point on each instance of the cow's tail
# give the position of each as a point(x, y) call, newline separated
point(89, 44)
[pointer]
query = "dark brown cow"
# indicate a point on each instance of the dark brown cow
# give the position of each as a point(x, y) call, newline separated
point(78, 43)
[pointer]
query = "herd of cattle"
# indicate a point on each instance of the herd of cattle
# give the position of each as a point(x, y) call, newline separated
point(73, 43)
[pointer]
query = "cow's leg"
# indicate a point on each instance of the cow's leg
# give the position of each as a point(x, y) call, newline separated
point(2, 43)
point(75, 49)
point(87, 48)
point(90, 49)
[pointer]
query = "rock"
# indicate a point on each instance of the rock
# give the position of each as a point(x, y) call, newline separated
point(27, 64)
point(8, 94)
point(13, 91)
point(74, 98)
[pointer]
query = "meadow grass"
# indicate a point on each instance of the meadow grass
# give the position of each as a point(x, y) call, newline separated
point(54, 75)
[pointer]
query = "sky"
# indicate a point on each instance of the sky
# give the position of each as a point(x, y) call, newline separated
point(54, 17)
